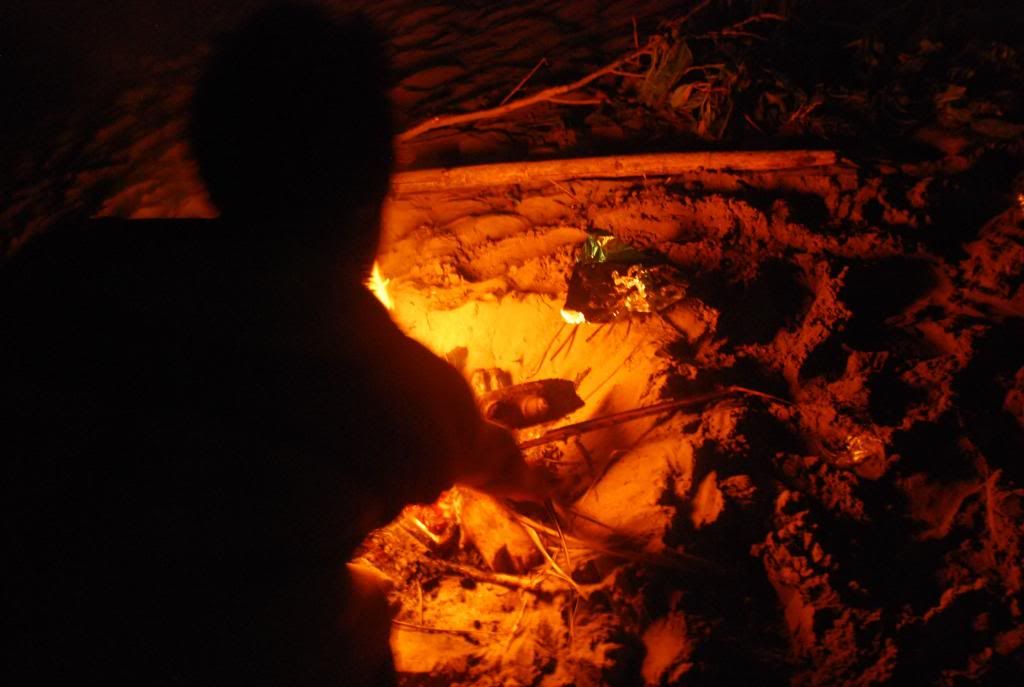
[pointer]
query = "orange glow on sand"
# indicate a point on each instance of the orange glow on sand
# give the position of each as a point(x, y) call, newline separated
point(378, 285)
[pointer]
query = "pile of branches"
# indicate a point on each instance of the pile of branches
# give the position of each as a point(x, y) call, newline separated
point(801, 71)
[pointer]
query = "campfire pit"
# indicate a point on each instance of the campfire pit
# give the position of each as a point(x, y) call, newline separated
point(665, 456)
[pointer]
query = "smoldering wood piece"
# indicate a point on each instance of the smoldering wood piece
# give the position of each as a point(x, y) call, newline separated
point(617, 167)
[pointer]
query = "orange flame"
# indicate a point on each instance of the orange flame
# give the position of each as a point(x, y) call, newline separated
point(378, 285)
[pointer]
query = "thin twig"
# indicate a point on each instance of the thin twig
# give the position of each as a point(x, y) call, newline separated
point(585, 452)
point(545, 95)
point(581, 101)
point(441, 630)
point(515, 625)
point(676, 23)
point(522, 83)
point(764, 16)
point(567, 191)
point(572, 618)
point(744, 34)
point(735, 29)
point(596, 332)
point(561, 535)
point(605, 421)
point(544, 355)
point(425, 530)
point(760, 394)
point(630, 75)
point(703, 68)
point(615, 372)
point(502, 579)
point(568, 341)
point(559, 572)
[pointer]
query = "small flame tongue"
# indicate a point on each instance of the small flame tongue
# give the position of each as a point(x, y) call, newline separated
point(378, 285)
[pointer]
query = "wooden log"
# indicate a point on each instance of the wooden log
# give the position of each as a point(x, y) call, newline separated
point(618, 167)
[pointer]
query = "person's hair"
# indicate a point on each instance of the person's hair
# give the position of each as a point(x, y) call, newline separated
point(291, 118)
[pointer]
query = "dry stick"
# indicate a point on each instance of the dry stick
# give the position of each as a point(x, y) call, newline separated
point(583, 101)
point(441, 630)
point(735, 29)
point(561, 535)
point(676, 23)
point(539, 97)
point(617, 167)
point(585, 452)
point(419, 596)
point(732, 32)
point(512, 581)
point(567, 191)
point(615, 372)
point(572, 619)
point(594, 424)
point(544, 355)
point(522, 83)
point(515, 626)
point(425, 530)
point(572, 341)
point(759, 394)
point(502, 579)
point(596, 332)
point(764, 16)
point(571, 337)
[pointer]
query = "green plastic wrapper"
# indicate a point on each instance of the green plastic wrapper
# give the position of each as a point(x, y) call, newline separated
point(613, 279)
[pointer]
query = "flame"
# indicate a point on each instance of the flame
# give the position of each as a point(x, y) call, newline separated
point(378, 285)
point(573, 316)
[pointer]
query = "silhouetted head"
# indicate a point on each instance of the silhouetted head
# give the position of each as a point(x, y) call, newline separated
point(291, 124)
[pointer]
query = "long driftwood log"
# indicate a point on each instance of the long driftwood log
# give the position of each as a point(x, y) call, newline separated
point(618, 167)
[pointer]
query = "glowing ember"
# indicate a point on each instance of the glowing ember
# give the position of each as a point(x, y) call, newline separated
point(573, 316)
point(636, 300)
point(378, 285)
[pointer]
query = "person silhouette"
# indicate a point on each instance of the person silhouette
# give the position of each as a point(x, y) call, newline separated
point(205, 418)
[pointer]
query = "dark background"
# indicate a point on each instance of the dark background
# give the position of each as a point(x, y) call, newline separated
point(60, 55)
